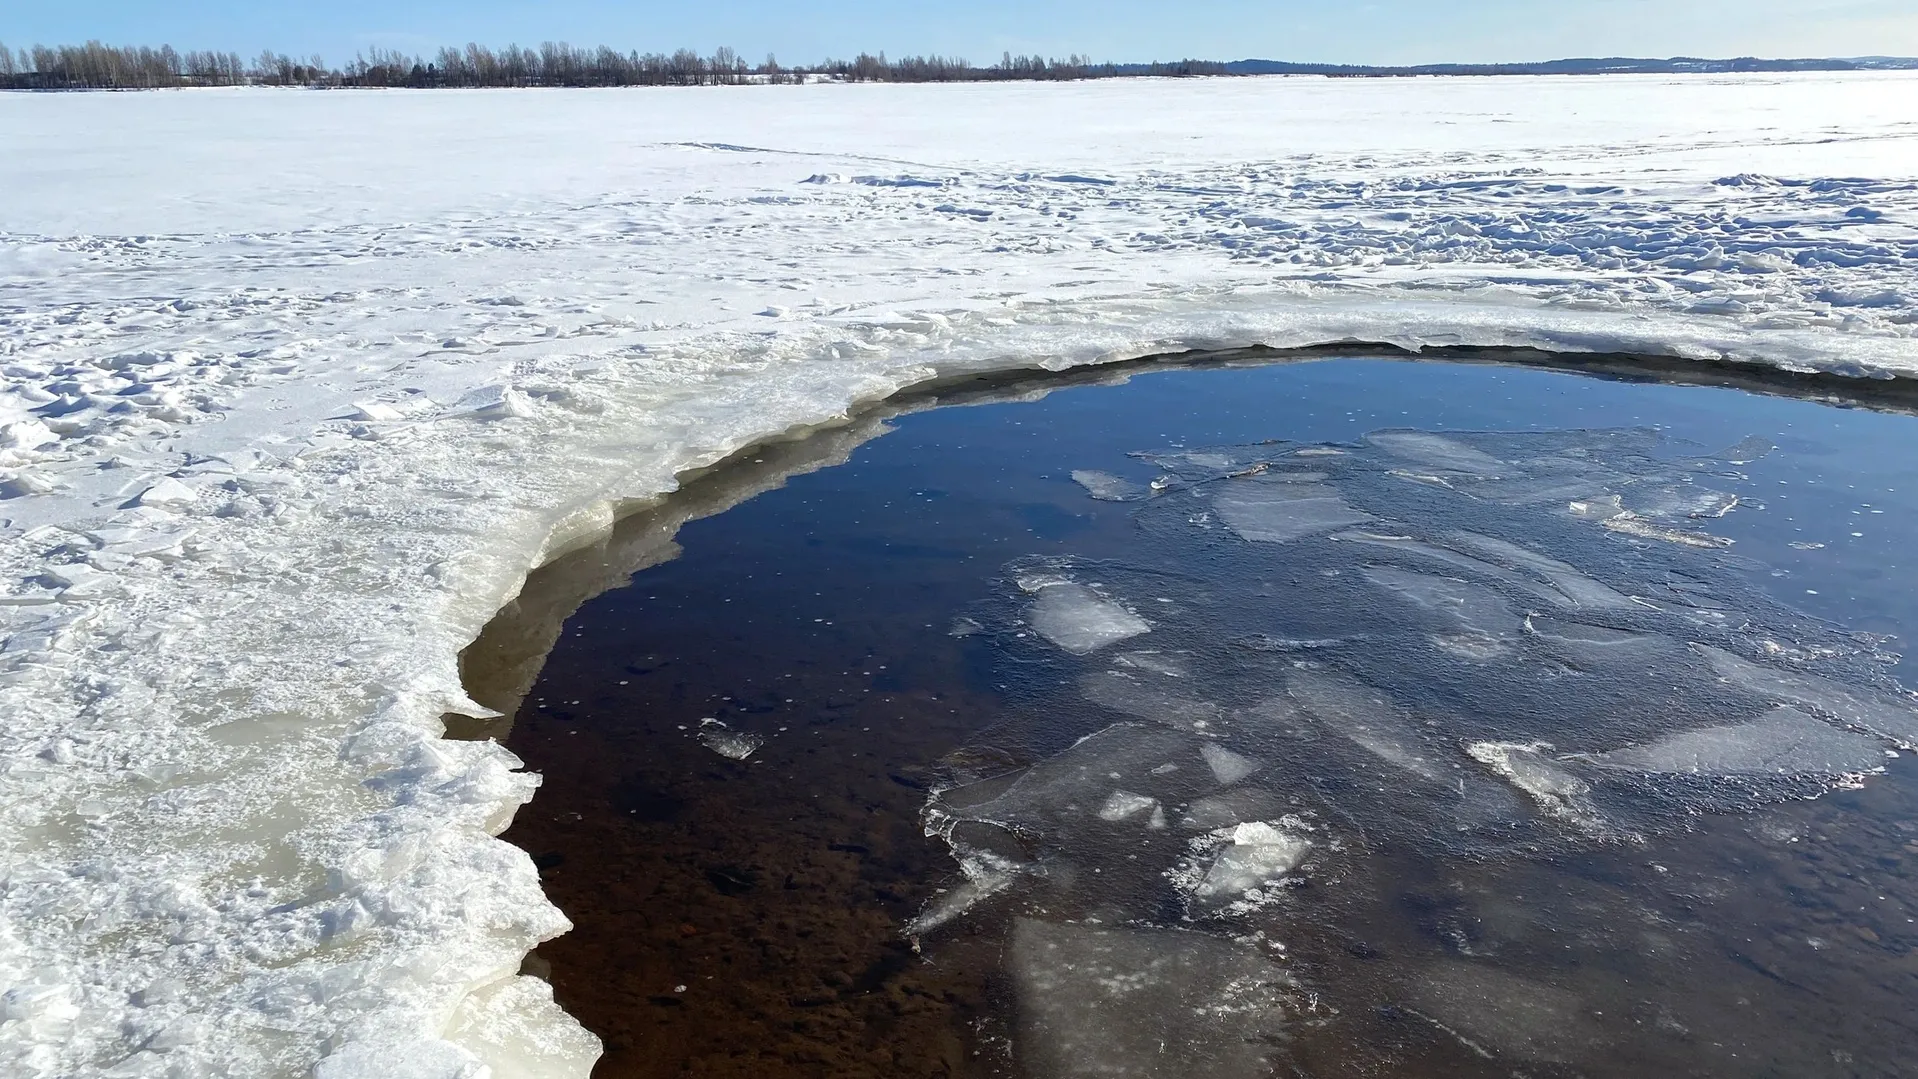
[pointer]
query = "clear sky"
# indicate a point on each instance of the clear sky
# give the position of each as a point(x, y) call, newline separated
point(1379, 32)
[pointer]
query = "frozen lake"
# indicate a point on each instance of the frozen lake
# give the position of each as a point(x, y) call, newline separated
point(296, 388)
point(1347, 717)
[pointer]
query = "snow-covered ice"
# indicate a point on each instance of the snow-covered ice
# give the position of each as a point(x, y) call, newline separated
point(296, 387)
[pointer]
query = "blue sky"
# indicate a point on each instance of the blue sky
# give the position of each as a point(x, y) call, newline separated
point(1384, 31)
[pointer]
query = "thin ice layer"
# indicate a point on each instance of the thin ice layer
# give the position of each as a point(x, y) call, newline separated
point(1107, 487)
point(1506, 1016)
point(1881, 714)
point(1268, 511)
point(1369, 718)
point(1161, 1003)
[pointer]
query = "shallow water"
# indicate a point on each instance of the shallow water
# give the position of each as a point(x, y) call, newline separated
point(1356, 717)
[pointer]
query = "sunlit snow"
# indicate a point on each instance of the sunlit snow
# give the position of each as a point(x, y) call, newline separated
point(296, 387)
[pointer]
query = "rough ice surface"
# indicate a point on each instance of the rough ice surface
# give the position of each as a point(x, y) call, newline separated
point(1158, 1003)
point(1080, 620)
point(275, 442)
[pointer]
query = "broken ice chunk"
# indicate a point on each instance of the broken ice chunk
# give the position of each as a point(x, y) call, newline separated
point(1269, 511)
point(1558, 792)
point(1784, 741)
point(169, 493)
point(1227, 767)
point(1505, 1015)
point(723, 740)
point(1682, 500)
point(1171, 665)
point(1486, 623)
point(1265, 642)
point(1438, 453)
point(1107, 487)
point(1367, 717)
point(1243, 859)
point(1880, 714)
point(1123, 692)
point(1158, 1003)
point(1581, 589)
point(1123, 804)
point(1746, 450)
point(1080, 620)
point(1610, 511)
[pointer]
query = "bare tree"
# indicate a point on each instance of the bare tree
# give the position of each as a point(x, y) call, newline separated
point(95, 65)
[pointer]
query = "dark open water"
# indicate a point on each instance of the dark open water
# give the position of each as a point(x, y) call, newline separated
point(1366, 736)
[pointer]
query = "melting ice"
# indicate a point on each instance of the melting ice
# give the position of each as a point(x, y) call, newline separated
point(1464, 644)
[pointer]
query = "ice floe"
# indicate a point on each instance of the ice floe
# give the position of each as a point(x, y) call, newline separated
point(1165, 1003)
point(1080, 620)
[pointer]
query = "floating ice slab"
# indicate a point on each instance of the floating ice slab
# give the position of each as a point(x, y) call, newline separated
point(736, 745)
point(1529, 768)
point(1784, 742)
point(1484, 622)
point(1107, 487)
point(1268, 511)
point(1150, 697)
point(1879, 713)
point(1366, 716)
point(1158, 1003)
point(1438, 453)
point(1507, 1016)
point(1580, 589)
point(1080, 620)
point(1237, 865)
point(1114, 775)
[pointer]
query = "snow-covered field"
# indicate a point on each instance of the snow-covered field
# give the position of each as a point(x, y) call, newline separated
point(296, 387)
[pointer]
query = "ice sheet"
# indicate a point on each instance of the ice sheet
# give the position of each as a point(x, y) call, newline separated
point(313, 424)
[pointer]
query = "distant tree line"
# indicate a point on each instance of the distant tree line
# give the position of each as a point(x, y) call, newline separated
point(95, 66)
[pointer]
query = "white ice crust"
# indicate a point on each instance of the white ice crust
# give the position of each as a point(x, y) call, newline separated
point(295, 388)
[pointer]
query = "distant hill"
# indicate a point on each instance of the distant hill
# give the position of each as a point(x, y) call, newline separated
point(1611, 65)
